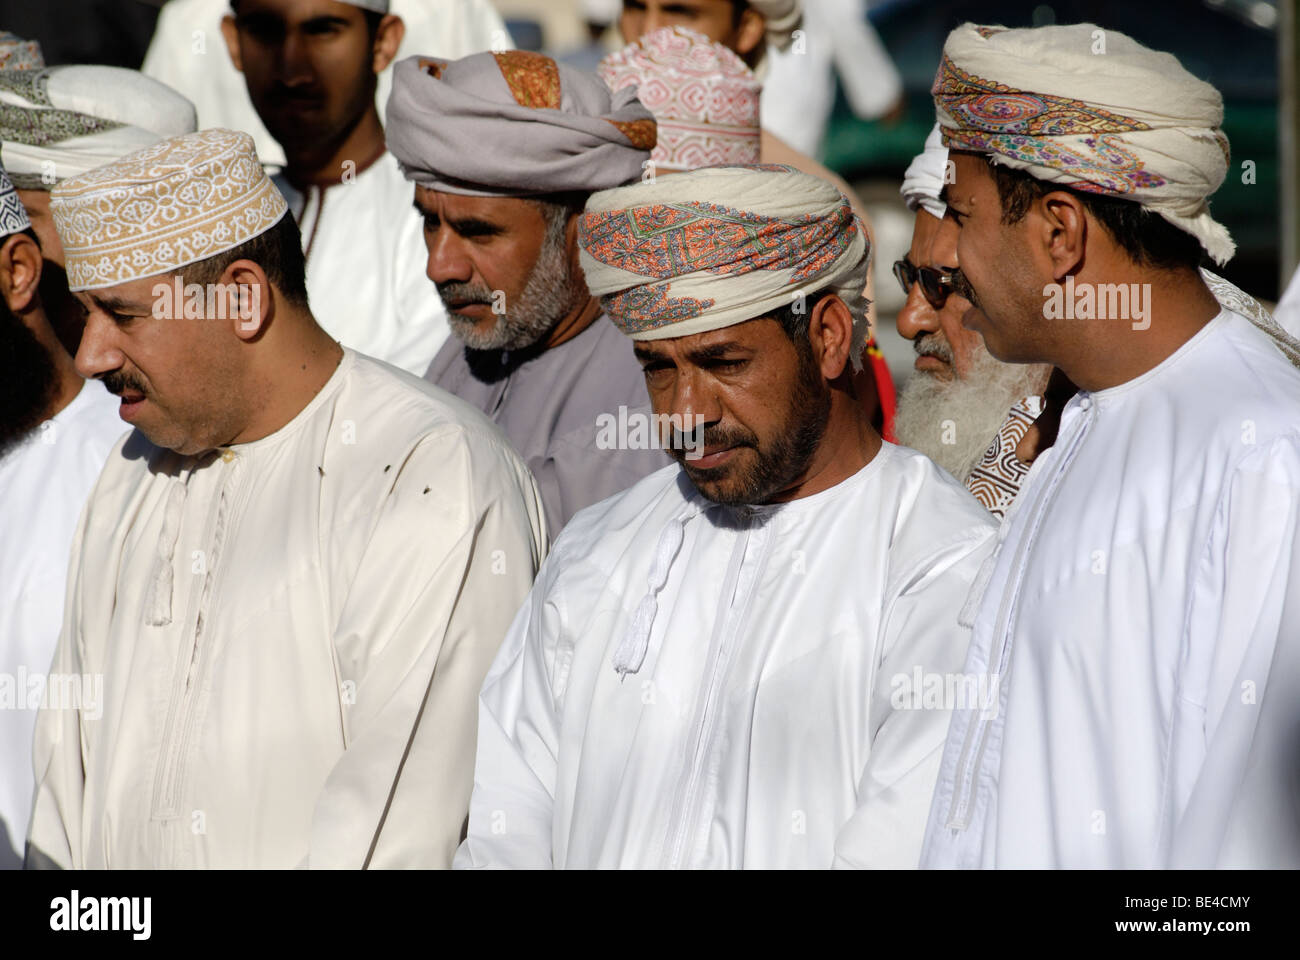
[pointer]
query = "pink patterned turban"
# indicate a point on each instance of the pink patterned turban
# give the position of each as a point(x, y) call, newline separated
point(704, 98)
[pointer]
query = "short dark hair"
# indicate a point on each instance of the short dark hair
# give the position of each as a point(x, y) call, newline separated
point(795, 321)
point(277, 251)
point(1148, 238)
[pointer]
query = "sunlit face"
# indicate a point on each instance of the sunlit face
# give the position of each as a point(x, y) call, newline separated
point(719, 20)
point(763, 406)
point(178, 378)
point(944, 347)
point(1005, 291)
point(308, 65)
point(507, 277)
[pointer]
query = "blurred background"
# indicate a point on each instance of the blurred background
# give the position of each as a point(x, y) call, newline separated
point(862, 105)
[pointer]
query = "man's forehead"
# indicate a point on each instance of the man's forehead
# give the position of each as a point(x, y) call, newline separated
point(461, 206)
point(299, 11)
point(748, 334)
point(131, 293)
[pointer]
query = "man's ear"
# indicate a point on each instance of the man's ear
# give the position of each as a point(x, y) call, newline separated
point(831, 330)
point(231, 33)
point(1063, 232)
point(20, 271)
point(750, 31)
point(249, 298)
point(387, 39)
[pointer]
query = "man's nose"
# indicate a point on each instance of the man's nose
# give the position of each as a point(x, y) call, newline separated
point(97, 354)
point(295, 61)
point(447, 260)
point(692, 401)
point(917, 316)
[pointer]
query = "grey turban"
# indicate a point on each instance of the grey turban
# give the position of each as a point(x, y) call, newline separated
point(514, 124)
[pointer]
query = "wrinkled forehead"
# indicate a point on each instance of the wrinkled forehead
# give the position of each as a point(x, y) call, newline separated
point(758, 334)
point(132, 295)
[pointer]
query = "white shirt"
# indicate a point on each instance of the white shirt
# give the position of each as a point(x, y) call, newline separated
point(1137, 599)
point(189, 54)
point(759, 730)
point(44, 483)
point(1287, 312)
point(835, 39)
point(366, 279)
point(291, 635)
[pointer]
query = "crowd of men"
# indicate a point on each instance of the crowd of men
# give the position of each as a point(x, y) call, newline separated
point(509, 477)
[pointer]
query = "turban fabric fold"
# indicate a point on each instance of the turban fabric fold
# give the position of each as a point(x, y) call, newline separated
point(514, 124)
point(1089, 109)
point(709, 248)
point(924, 178)
point(61, 122)
point(13, 215)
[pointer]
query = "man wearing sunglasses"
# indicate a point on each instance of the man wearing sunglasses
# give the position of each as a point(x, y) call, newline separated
point(964, 409)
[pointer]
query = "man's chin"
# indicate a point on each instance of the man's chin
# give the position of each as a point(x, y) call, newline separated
point(478, 334)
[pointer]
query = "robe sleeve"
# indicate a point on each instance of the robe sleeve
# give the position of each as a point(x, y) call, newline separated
point(1239, 764)
point(511, 813)
point(54, 838)
point(451, 557)
point(907, 737)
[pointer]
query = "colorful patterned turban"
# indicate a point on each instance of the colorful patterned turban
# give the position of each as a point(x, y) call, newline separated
point(19, 54)
point(1089, 109)
point(180, 201)
point(13, 215)
point(513, 124)
point(702, 95)
point(709, 248)
point(923, 180)
point(59, 122)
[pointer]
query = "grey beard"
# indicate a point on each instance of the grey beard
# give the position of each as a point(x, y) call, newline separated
point(977, 406)
point(548, 295)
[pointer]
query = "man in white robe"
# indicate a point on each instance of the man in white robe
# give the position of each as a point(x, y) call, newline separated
point(735, 662)
point(290, 578)
point(1141, 605)
point(311, 70)
point(55, 432)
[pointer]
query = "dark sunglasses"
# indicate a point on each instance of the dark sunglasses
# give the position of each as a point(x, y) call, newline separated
point(935, 284)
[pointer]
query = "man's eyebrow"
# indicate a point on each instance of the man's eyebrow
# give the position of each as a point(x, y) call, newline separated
point(646, 355)
point(111, 304)
point(472, 226)
point(714, 351)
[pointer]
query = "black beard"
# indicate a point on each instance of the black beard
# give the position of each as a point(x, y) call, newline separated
point(29, 380)
point(779, 466)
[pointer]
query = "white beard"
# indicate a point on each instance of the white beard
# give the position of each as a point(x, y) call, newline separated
point(968, 412)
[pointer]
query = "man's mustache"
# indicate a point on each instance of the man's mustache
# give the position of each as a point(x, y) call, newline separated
point(118, 383)
point(713, 436)
point(463, 294)
point(933, 345)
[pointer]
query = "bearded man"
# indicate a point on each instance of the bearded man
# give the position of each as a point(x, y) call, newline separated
point(722, 666)
point(504, 149)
